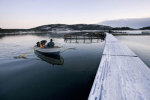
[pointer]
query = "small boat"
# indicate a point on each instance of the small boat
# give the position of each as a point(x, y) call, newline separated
point(47, 51)
point(51, 59)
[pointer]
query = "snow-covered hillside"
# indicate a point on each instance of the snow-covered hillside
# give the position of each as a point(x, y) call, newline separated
point(133, 23)
point(64, 27)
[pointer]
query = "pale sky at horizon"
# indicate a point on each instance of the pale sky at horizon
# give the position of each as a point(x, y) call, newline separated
point(32, 13)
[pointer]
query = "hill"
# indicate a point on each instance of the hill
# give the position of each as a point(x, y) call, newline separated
point(145, 28)
point(64, 27)
point(122, 28)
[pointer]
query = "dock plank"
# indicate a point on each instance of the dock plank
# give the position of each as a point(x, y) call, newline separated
point(117, 49)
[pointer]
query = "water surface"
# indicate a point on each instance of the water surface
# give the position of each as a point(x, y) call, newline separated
point(35, 79)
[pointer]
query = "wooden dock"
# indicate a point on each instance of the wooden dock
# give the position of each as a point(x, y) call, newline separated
point(121, 75)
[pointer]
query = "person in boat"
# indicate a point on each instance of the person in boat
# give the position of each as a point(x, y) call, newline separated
point(51, 44)
point(38, 44)
point(42, 43)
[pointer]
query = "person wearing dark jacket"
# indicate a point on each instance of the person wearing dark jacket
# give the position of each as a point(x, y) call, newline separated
point(51, 44)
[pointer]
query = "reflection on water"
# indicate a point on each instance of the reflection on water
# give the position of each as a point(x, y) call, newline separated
point(51, 59)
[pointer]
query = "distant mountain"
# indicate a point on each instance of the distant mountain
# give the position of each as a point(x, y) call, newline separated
point(58, 28)
point(64, 27)
point(133, 23)
point(145, 28)
point(122, 28)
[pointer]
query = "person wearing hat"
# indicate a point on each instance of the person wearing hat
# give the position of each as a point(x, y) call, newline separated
point(51, 44)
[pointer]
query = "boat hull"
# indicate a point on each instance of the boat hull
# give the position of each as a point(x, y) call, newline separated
point(51, 59)
point(47, 51)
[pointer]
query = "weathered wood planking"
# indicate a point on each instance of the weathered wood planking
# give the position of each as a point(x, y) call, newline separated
point(121, 74)
point(117, 49)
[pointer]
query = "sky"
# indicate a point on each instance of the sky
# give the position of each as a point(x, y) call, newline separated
point(32, 13)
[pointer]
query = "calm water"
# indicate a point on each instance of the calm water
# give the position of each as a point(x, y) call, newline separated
point(139, 44)
point(69, 77)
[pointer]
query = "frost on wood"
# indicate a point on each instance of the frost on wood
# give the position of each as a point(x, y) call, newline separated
point(121, 74)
